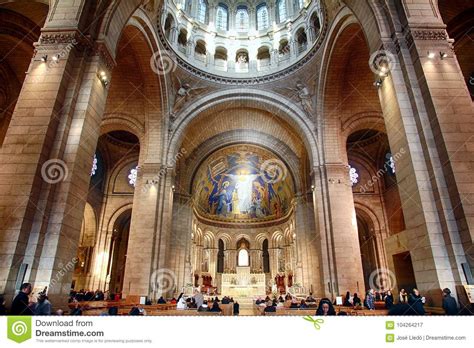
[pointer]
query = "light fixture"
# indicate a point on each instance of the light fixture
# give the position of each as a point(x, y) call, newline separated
point(378, 83)
point(56, 58)
point(151, 182)
point(173, 188)
point(431, 55)
point(443, 55)
point(103, 78)
point(312, 187)
point(44, 58)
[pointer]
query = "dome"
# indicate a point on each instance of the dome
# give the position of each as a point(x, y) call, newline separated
point(241, 39)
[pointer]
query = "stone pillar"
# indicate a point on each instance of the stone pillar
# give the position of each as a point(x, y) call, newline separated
point(343, 235)
point(180, 240)
point(54, 127)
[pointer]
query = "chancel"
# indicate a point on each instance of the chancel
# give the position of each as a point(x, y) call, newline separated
point(249, 157)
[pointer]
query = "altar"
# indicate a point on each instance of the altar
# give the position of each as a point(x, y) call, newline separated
point(243, 283)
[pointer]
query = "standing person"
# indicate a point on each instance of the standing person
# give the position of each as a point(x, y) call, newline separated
point(199, 299)
point(450, 305)
point(21, 303)
point(43, 306)
point(388, 300)
point(236, 308)
point(416, 302)
point(370, 299)
point(403, 296)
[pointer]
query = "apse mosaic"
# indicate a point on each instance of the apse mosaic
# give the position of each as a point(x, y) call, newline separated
point(243, 184)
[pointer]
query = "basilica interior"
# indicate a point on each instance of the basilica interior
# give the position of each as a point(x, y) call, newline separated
point(242, 148)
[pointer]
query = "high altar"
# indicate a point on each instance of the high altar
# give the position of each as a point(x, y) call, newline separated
point(243, 283)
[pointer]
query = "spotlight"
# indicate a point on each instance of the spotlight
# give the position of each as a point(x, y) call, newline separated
point(173, 188)
point(431, 55)
point(103, 78)
point(44, 58)
point(443, 55)
point(378, 83)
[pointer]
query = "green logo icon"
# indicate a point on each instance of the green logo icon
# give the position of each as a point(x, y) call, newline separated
point(389, 338)
point(19, 329)
point(389, 325)
point(316, 322)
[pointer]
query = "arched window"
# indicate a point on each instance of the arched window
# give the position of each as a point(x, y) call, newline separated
point(281, 5)
point(221, 17)
point(242, 18)
point(262, 17)
point(243, 260)
point(298, 5)
point(202, 11)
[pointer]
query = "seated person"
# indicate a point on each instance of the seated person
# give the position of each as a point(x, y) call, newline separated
point(310, 298)
point(267, 299)
point(356, 301)
point(325, 308)
point(270, 307)
point(215, 307)
point(294, 304)
point(173, 301)
point(161, 300)
point(281, 299)
point(181, 304)
point(303, 304)
point(231, 300)
point(203, 308)
point(225, 300)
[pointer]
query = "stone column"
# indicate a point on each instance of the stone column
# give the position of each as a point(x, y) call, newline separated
point(54, 127)
point(342, 232)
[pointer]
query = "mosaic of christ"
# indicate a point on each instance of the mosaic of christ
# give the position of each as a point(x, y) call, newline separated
point(243, 183)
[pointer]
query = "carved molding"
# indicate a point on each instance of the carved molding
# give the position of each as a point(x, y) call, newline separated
point(429, 34)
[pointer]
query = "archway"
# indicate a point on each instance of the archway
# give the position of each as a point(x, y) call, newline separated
point(118, 252)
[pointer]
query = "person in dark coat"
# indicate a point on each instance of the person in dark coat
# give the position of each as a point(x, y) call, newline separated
point(450, 305)
point(347, 300)
point(356, 301)
point(388, 300)
point(215, 307)
point(21, 303)
point(325, 307)
point(3, 309)
point(270, 307)
point(161, 300)
point(416, 301)
point(236, 308)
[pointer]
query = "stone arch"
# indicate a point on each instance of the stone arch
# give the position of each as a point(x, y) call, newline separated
point(258, 99)
point(117, 121)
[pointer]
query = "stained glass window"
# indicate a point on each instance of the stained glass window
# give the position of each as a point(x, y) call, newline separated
point(94, 165)
point(354, 176)
point(262, 17)
point(221, 17)
point(281, 10)
point(242, 18)
point(202, 11)
point(132, 176)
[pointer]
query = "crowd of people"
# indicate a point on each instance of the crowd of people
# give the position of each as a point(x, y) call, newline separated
point(405, 304)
